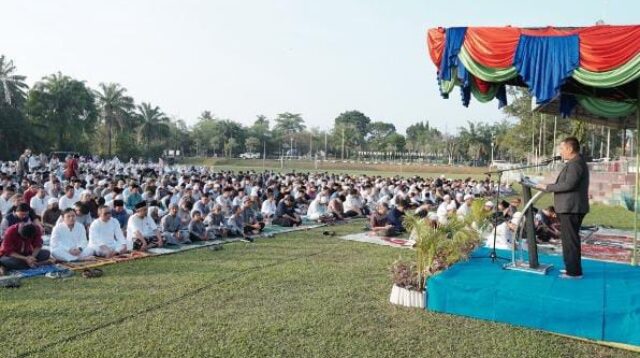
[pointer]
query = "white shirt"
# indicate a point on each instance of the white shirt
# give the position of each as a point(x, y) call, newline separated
point(38, 205)
point(442, 209)
point(106, 233)
point(146, 226)
point(63, 239)
point(64, 202)
point(316, 210)
point(352, 203)
point(5, 205)
point(268, 208)
point(463, 210)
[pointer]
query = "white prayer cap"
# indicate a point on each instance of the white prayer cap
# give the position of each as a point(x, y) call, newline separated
point(52, 201)
point(489, 204)
point(468, 196)
point(447, 197)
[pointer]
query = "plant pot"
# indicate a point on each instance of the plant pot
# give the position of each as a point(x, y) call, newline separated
point(408, 298)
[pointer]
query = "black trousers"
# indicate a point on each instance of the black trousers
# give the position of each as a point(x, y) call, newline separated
point(11, 263)
point(570, 236)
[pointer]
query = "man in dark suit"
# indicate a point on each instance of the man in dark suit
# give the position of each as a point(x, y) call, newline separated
point(571, 201)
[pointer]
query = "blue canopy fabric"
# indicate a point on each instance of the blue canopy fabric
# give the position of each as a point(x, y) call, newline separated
point(545, 62)
point(455, 38)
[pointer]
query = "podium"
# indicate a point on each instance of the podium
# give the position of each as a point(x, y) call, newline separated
point(518, 263)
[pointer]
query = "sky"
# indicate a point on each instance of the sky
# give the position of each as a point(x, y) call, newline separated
point(241, 58)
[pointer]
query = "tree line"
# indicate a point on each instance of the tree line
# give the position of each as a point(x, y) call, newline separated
point(60, 113)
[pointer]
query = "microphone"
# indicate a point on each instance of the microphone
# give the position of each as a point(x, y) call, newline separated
point(551, 159)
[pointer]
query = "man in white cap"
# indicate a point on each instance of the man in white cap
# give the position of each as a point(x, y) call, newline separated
point(465, 209)
point(443, 210)
point(318, 209)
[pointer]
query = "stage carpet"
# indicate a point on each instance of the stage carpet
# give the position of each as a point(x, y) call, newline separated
point(603, 306)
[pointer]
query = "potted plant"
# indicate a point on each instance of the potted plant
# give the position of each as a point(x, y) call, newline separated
point(437, 248)
point(406, 285)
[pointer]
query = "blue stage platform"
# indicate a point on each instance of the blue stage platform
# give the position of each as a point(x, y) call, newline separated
point(603, 306)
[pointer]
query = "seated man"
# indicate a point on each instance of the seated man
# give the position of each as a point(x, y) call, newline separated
point(379, 222)
point(120, 213)
point(69, 239)
point(234, 222)
point(335, 208)
point(172, 230)
point(395, 216)
point(319, 211)
point(547, 225)
point(353, 205)
point(22, 248)
point(134, 197)
point(268, 209)
point(215, 222)
point(285, 214)
point(19, 215)
point(51, 215)
point(68, 199)
point(197, 230)
point(105, 235)
point(142, 232)
point(251, 225)
point(39, 201)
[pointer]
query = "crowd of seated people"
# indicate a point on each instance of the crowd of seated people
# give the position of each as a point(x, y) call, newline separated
point(90, 208)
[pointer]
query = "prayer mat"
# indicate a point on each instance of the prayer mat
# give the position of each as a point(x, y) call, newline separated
point(370, 238)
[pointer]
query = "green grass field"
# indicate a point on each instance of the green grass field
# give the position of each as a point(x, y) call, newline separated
point(353, 168)
point(297, 295)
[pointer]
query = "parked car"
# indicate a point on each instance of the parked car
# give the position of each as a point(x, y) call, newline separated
point(249, 155)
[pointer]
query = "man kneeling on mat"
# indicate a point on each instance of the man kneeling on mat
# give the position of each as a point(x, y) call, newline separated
point(22, 248)
point(142, 231)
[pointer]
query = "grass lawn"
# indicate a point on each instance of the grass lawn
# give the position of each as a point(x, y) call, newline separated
point(297, 295)
point(353, 168)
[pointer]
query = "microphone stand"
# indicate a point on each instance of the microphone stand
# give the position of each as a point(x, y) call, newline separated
point(494, 255)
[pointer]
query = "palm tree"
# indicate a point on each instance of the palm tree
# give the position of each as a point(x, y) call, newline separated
point(115, 107)
point(153, 124)
point(12, 86)
point(289, 123)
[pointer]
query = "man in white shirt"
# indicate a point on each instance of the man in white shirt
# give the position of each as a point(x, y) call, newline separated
point(142, 231)
point(68, 199)
point(69, 240)
point(268, 209)
point(465, 209)
point(39, 202)
point(105, 235)
point(318, 209)
point(443, 210)
point(5, 200)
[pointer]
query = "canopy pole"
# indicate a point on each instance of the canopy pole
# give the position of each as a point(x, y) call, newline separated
point(634, 259)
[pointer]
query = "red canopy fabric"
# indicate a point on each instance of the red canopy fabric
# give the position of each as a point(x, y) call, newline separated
point(602, 48)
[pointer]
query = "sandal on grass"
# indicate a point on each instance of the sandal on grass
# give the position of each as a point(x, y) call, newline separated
point(59, 274)
point(92, 273)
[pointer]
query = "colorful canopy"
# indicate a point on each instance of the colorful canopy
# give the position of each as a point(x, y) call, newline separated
point(594, 68)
